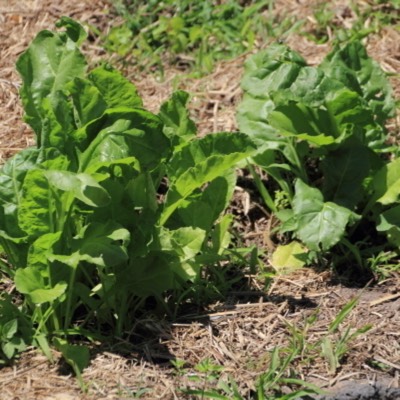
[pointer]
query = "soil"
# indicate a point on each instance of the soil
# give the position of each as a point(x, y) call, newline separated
point(240, 332)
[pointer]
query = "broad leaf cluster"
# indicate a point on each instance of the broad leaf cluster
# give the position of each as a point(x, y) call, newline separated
point(114, 204)
point(321, 137)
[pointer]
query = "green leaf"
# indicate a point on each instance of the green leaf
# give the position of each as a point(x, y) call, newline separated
point(12, 176)
point(9, 329)
point(200, 162)
point(88, 101)
point(41, 249)
point(269, 70)
point(287, 258)
point(78, 357)
point(122, 133)
point(102, 244)
point(37, 209)
point(83, 186)
point(344, 172)
point(386, 183)
point(178, 126)
point(51, 61)
point(351, 65)
point(116, 90)
point(344, 312)
point(203, 208)
point(389, 222)
point(74, 30)
point(30, 282)
point(221, 238)
point(320, 225)
point(253, 119)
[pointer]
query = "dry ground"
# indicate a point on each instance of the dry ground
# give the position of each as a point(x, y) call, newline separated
point(238, 335)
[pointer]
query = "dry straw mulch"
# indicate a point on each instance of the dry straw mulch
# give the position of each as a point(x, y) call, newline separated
point(240, 334)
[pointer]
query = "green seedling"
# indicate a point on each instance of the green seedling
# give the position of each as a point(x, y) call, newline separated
point(192, 35)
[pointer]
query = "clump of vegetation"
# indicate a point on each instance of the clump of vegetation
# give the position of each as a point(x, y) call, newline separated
point(113, 205)
point(191, 35)
point(322, 140)
point(356, 20)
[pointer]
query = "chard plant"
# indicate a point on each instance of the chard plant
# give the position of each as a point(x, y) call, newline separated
point(333, 175)
point(114, 203)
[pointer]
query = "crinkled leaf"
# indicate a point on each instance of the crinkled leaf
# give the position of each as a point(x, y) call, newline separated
point(88, 101)
point(320, 225)
point(177, 124)
point(218, 144)
point(37, 209)
point(51, 61)
point(122, 133)
point(12, 176)
point(352, 66)
point(200, 162)
point(271, 70)
point(116, 90)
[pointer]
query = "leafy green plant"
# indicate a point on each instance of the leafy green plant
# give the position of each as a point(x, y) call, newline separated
point(335, 343)
point(267, 386)
point(114, 204)
point(191, 34)
point(322, 140)
point(363, 18)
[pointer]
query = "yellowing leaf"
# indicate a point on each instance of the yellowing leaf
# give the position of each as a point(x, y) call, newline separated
point(286, 257)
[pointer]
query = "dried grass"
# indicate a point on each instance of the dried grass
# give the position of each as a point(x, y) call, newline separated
point(238, 335)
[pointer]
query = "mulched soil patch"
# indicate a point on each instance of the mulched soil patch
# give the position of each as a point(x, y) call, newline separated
point(240, 332)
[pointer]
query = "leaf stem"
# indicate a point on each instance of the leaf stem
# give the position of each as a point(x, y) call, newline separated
point(262, 189)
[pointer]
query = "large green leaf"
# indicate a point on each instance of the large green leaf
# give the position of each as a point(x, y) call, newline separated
point(51, 61)
point(219, 144)
point(122, 133)
point(271, 70)
point(104, 245)
point(88, 102)
point(12, 176)
point(252, 117)
point(29, 281)
point(344, 172)
point(202, 209)
point(201, 162)
point(37, 212)
point(320, 225)
point(386, 183)
point(351, 65)
point(82, 186)
point(116, 90)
